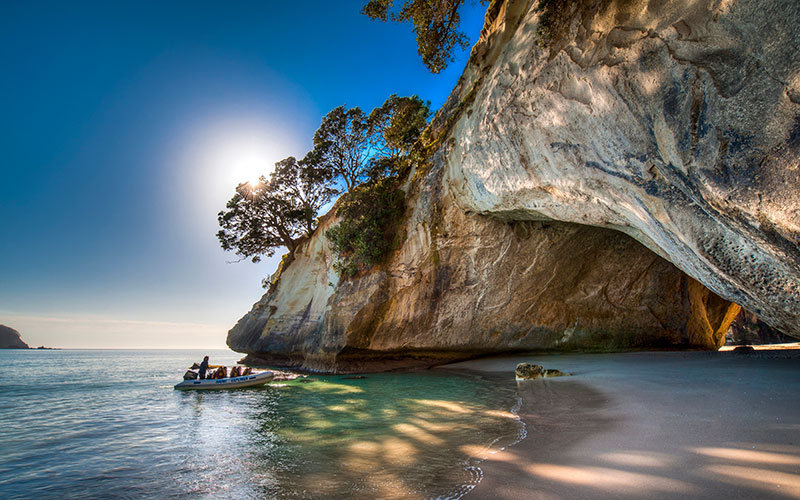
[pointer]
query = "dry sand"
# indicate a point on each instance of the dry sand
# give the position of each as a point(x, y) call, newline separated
point(721, 425)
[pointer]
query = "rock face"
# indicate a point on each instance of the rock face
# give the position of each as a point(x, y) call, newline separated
point(11, 339)
point(676, 123)
point(466, 284)
point(748, 329)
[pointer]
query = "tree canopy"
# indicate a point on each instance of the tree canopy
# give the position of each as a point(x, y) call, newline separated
point(309, 186)
point(436, 25)
point(341, 143)
point(275, 212)
point(396, 125)
point(349, 147)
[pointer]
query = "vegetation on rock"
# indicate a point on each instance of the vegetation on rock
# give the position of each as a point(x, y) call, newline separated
point(554, 18)
point(274, 213)
point(366, 153)
point(366, 232)
point(436, 25)
point(369, 212)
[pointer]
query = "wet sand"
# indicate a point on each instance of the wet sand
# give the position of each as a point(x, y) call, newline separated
point(719, 425)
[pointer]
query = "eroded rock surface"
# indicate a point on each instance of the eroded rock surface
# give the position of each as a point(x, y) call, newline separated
point(675, 122)
point(463, 285)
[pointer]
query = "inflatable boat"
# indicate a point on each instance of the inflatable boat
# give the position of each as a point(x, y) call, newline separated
point(259, 378)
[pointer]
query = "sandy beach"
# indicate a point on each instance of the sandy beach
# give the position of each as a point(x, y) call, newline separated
point(720, 425)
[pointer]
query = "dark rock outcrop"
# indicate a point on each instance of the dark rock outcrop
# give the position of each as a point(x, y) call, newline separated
point(11, 339)
point(748, 329)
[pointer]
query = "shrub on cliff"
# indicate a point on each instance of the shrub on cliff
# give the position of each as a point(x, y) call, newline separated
point(366, 232)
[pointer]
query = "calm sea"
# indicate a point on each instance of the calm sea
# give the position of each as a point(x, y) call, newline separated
point(107, 424)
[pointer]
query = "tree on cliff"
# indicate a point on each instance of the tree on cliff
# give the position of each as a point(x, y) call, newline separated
point(349, 146)
point(308, 186)
point(341, 144)
point(369, 213)
point(274, 213)
point(436, 24)
point(396, 125)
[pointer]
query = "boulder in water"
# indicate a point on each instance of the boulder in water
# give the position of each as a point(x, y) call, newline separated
point(529, 371)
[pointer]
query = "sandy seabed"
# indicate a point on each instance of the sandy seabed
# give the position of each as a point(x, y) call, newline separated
point(718, 425)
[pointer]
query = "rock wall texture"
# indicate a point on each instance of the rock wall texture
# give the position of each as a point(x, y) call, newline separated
point(11, 339)
point(674, 123)
point(462, 285)
point(748, 329)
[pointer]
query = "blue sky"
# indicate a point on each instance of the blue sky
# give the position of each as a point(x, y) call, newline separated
point(125, 127)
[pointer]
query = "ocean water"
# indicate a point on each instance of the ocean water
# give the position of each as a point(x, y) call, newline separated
point(90, 424)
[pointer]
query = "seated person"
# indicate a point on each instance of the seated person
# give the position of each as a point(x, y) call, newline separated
point(221, 373)
point(234, 372)
point(247, 371)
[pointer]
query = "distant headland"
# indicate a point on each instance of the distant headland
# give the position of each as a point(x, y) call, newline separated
point(11, 339)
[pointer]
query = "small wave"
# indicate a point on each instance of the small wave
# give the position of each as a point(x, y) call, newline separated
point(474, 472)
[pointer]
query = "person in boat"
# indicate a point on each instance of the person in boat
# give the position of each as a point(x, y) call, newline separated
point(234, 372)
point(220, 373)
point(203, 367)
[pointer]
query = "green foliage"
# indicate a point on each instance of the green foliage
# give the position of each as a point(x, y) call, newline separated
point(307, 185)
point(435, 22)
point(275, 212)
point(341, 144)
point(350, 147)
point(355, 147)
point(396, 125)
point(369, 215)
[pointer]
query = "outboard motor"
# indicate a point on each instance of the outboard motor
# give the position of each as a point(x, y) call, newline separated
point(190, 375)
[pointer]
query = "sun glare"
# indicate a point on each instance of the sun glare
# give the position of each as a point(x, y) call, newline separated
point(224, 154)
point(246, 163)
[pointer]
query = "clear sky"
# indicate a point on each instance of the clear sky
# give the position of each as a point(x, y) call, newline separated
point(125, 127)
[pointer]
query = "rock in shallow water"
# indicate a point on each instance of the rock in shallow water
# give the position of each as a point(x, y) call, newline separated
point(528, 371)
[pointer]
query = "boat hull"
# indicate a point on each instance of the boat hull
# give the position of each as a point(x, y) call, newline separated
point(226, 383)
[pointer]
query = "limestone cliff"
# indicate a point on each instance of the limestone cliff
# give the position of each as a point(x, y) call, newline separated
point(675, 123)
point(466, 284)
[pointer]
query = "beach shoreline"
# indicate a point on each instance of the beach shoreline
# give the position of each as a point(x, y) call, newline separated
point(651, 425)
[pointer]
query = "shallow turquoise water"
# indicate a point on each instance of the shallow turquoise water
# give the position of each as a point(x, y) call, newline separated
point(107, 424)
